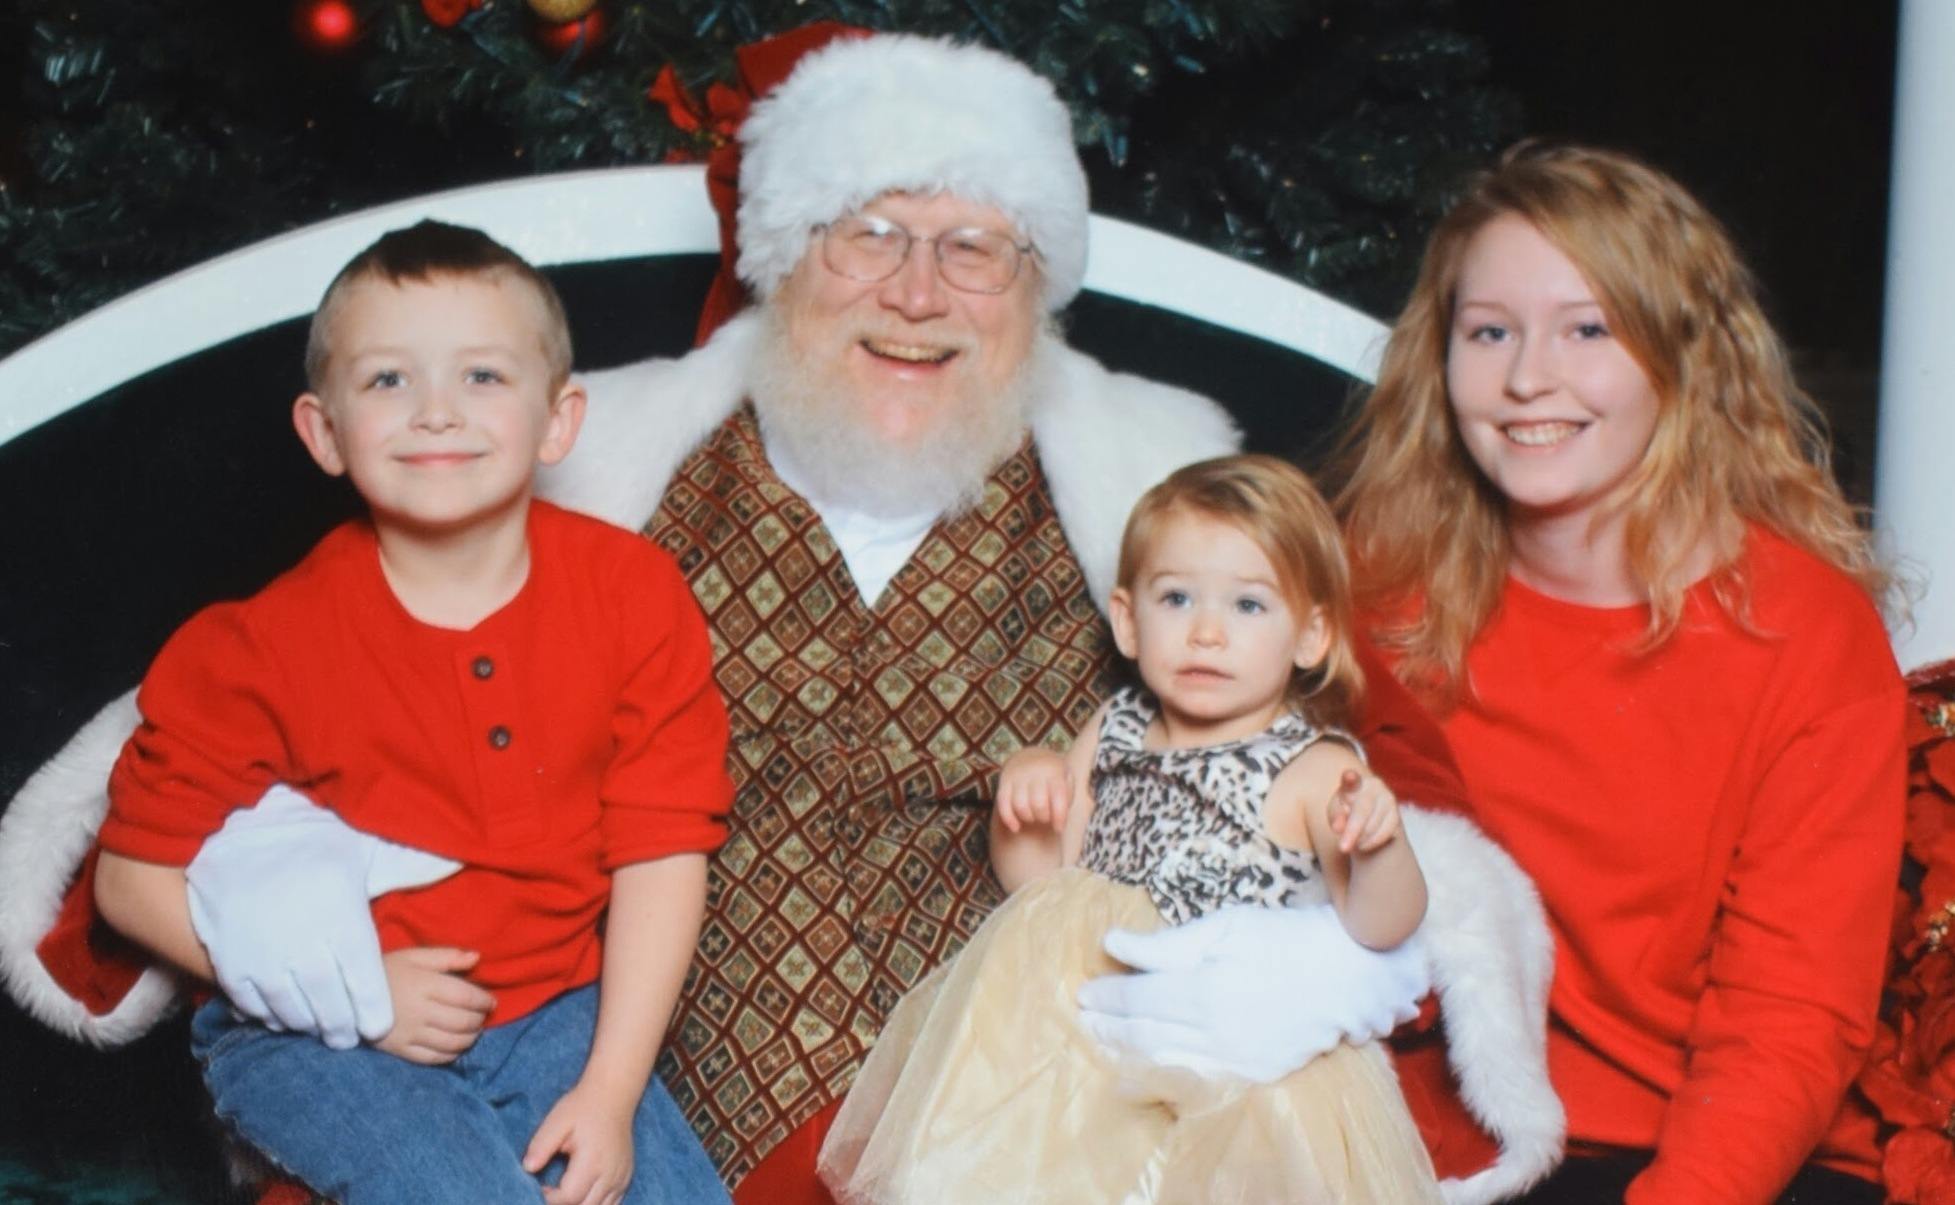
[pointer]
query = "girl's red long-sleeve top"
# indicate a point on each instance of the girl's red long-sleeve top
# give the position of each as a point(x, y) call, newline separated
point(1715, 828)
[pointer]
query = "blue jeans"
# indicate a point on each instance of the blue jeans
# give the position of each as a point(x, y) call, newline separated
point(366, 1128)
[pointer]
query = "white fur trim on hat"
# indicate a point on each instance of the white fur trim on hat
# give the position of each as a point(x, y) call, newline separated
point(864, 116)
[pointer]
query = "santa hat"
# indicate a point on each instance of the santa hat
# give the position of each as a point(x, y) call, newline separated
point(865, 116)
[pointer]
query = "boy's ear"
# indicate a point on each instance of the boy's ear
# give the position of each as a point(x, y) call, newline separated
point(315, 428)
point(1120, 609)
point(1313, 641)
point(566, 419)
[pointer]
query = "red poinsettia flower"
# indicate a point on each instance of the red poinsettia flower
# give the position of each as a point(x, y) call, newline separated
point(1910, 1073)
point(1928, 820)
point(446, 13)
point(1941, 765)
point(719, 117)
point(1937, 908)
point(1919, 1168)
point(1894, 1079)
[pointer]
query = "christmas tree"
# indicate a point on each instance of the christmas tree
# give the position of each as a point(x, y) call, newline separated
point(1312, 136)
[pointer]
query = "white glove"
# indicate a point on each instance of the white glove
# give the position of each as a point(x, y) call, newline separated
point(1251, 992)
point(279, 898)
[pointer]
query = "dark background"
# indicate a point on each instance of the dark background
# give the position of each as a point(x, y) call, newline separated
point(1778, 117)
point(1779, 121)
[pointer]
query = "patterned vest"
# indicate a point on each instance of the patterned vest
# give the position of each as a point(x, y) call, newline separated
point(865, 748)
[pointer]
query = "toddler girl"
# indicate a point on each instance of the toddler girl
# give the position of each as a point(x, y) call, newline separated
point(1225, 779)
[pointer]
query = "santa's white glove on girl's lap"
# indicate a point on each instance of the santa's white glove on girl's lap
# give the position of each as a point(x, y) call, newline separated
point(279, 898)
point(1251, 992)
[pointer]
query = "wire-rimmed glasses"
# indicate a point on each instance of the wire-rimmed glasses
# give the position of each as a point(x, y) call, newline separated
point(974, 259)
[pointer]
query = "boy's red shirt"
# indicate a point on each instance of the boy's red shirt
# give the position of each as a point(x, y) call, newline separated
point(575, 730)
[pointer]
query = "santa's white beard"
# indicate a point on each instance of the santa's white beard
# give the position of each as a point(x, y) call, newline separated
point(810, 418)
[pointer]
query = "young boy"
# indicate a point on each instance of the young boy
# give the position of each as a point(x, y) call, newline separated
point(482, 676)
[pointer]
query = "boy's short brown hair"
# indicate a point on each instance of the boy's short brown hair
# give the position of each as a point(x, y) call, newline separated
point(422, 252)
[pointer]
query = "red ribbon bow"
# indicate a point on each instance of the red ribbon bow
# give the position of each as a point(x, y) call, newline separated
point(761, 65)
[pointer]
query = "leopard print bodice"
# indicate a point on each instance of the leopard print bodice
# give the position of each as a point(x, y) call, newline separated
point(1186, 824)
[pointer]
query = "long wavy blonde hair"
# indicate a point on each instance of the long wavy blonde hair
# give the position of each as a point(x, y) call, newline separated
point(1735, 438)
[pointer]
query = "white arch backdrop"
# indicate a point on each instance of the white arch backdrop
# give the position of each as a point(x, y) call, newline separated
point(1914, 488)
point(621, 213)
point(579, 217)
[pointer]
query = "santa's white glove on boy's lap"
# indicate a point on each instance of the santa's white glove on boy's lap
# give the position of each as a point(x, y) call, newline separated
point(1251, 992)
point(279, 898)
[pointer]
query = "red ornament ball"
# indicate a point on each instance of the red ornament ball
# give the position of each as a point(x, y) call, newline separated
point(328, 25)
point(564, 38)
point(448, 13)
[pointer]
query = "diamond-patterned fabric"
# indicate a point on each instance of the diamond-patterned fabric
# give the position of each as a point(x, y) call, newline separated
point(865, 749)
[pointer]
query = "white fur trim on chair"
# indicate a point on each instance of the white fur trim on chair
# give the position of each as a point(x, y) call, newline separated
point(1492, 959)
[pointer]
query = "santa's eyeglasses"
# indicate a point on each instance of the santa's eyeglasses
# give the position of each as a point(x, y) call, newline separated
point(970, 258)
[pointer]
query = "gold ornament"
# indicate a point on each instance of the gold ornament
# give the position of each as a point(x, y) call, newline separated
point(1942, 717)
point(556, 12)
point(1937, 929)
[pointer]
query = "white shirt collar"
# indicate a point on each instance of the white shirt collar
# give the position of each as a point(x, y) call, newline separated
point(873, 546)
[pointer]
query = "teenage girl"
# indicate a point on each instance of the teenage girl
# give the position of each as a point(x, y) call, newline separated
point(1592, 519)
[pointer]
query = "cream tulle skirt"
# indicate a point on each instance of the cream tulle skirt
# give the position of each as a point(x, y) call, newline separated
point(984, 1089)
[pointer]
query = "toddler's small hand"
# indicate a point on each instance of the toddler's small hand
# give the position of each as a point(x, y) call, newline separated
point(438, 1013)
point(1363, 813)
point(1034, 787)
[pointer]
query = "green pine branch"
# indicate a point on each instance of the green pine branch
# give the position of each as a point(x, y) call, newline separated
point(1313, 136)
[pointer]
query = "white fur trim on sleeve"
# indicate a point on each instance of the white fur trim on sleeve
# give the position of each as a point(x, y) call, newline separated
point(44, 836)
point(1492, 958)
point(644, 419)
